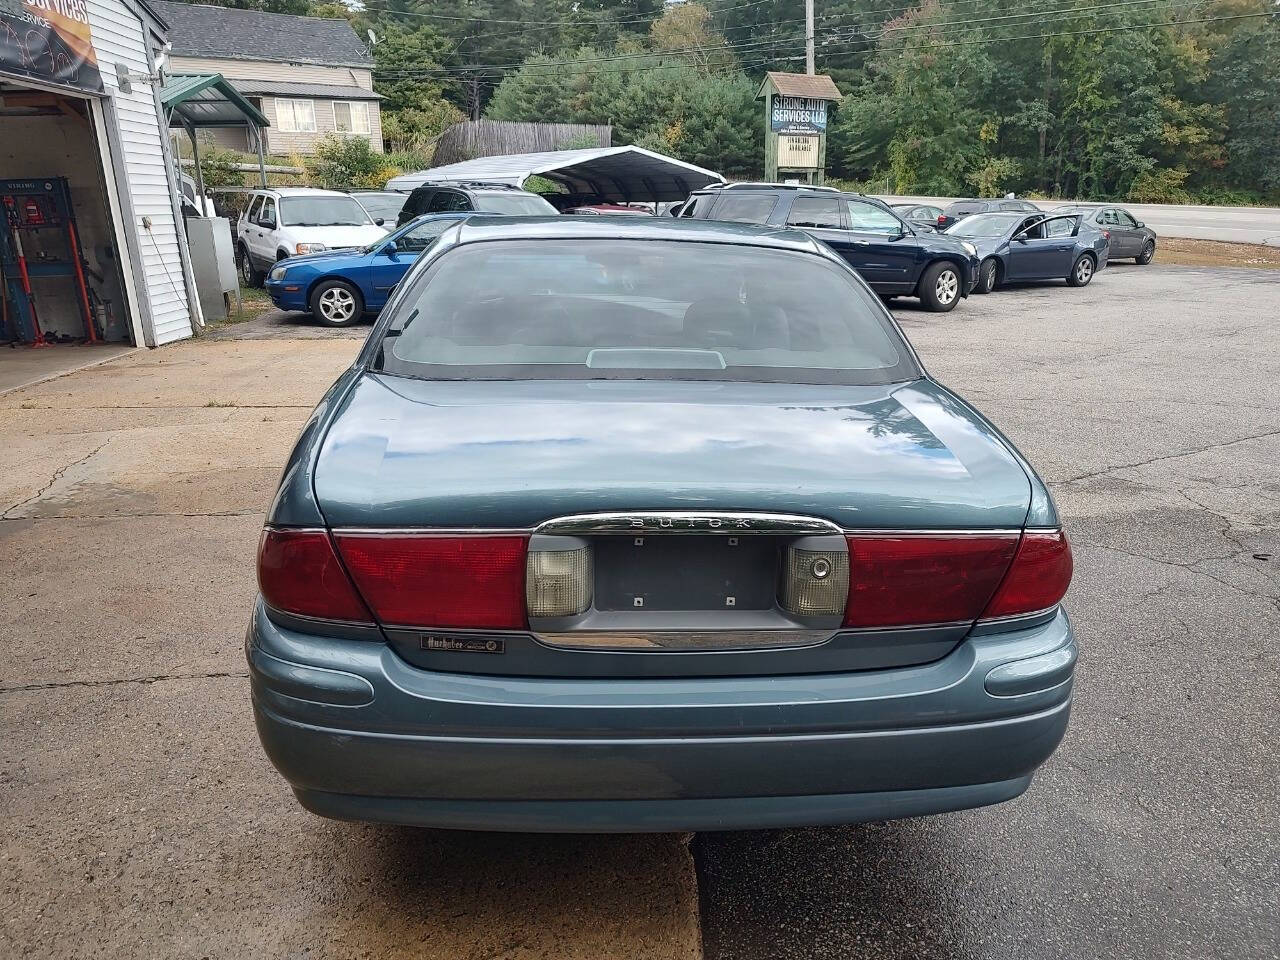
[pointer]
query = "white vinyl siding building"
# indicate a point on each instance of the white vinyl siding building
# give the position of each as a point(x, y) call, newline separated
point(120, 38)
point(101, 137)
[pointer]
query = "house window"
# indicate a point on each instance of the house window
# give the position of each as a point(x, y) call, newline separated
point(296, 116)
point(351, 116)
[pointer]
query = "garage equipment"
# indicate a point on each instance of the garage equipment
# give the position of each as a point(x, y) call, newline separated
point(40, 242)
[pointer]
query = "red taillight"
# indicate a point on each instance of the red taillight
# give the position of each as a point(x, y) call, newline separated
point(439, 581)
point(901, 580)
point(1106, 234)
point(942, 218)
point(1038, 579)
point(299, 573)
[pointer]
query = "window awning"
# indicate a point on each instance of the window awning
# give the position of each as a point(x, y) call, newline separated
point(207, 100)
point(613, 174)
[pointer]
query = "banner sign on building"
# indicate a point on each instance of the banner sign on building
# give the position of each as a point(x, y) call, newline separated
point(48, 40)
point(804, 116)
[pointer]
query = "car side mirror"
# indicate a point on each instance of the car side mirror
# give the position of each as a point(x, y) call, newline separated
point(389, 250)
point(379, 221)
point(1141, 224)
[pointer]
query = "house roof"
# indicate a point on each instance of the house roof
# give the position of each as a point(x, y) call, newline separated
point(819, 87)
point(613, 174)
point(324, 91)
point(197, 30)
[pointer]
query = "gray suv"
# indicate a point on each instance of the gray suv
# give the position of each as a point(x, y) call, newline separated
point(450, 196)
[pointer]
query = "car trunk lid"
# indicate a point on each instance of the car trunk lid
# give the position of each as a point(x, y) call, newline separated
point(677, 513)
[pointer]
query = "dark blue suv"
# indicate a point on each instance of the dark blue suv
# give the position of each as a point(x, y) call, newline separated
point(893, 257)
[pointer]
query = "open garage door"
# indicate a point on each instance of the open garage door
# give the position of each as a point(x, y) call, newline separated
point(63, 270)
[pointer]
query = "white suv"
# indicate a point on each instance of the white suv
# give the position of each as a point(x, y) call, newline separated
point(287, 221)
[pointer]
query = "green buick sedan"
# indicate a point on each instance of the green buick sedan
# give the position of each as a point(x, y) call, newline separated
point(626, 524)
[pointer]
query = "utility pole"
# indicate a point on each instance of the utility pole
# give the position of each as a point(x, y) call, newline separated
point(808, 37)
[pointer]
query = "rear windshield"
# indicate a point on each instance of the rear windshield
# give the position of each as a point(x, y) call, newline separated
point(640, 309)
point(514, 204)
point(964, 208)
point(985, 225)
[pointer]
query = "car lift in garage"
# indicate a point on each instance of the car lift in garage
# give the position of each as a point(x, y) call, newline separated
point(39, 242)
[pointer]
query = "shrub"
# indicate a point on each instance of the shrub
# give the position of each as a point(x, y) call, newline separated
point(345, 162)
point(1159, 186)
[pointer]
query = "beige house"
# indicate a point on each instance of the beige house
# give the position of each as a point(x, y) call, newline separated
point(307, 75)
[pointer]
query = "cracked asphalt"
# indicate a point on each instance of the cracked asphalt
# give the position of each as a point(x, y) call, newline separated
point(138, 814)
point(138, 817)
point(1150, 402)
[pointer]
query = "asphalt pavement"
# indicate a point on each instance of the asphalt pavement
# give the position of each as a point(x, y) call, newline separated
point(1150, 401)
point(138, 817)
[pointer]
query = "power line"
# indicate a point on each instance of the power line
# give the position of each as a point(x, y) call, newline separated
point(445, 73)
point(1080, 33)
point(609, 59)
point(724, 71)
point(754, 46)
point(581, 21)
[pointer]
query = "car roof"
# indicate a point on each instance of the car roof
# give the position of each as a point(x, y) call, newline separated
point(635, 228)
point(302, 192)
point(376, 193)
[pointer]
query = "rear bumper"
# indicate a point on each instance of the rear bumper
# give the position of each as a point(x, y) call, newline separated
point(362, 735)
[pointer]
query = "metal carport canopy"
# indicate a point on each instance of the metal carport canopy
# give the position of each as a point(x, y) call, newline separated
point(196, 101)
point(614, 174)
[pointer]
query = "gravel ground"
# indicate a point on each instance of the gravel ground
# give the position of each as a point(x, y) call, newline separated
point(1150, 401)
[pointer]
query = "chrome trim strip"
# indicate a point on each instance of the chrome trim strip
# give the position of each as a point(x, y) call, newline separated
point(431, 531)
point(320, 621)
point(1042, 614)
point(813, 524)
point(903, 627)
point(873, 532)
point(687, 521)
point(705, 641)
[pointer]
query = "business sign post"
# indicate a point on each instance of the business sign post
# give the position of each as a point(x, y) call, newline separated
point(796, 109)
point(48, 40)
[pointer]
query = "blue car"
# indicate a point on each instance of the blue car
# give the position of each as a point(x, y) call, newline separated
point(624, 524)
point(339, 286)
point(1021, 246)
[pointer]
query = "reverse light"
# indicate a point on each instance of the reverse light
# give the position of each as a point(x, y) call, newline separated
point(558, 582)
point(310, 248)
point(1038, 579)
point(898, 580)
point(815, 581)
point(299, 573)
point(427, 580)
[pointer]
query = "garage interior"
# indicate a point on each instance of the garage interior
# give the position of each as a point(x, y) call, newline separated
point(64, 302)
